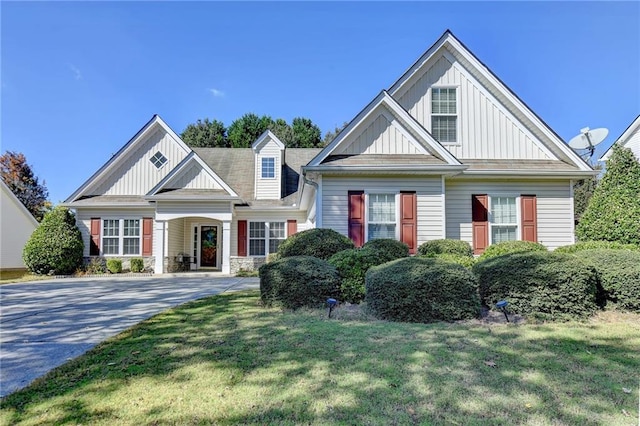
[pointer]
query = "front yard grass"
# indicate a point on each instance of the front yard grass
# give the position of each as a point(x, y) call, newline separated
point(228, 360)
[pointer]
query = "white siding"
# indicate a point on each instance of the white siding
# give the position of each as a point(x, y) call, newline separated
point(271, 216)
point(485, 128)
point(176, 238)
point(381, 136)
point(554, 206)
point(17, 225)
point(335, 214)
point(136, 175)
point(633, 143)
point(269, 189)
point(193, 177)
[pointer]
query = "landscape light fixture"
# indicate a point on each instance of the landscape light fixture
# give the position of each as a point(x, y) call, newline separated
point(502, 305)
point(332, 304)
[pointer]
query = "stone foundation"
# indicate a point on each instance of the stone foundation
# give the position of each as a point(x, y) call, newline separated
point(246, 263)
point(149, 262)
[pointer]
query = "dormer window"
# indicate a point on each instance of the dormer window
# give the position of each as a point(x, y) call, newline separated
point(158, 160)
point(268, 168)
point(444, 114)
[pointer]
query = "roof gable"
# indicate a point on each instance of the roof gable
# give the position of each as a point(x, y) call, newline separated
point(266, 137)
point(630, 136)
point(19, 208)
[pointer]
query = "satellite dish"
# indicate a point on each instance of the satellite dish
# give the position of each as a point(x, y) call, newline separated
point(588, 139)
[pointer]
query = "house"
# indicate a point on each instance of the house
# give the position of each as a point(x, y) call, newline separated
point(630, 138)
point(448, 151)
point(17, 225)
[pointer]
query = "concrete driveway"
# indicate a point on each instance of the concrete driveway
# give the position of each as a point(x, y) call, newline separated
point(43, 324)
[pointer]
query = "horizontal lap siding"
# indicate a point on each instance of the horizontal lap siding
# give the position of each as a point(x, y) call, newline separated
point(554, 207)
point(335, 212)
point(176, 238)
point(269, 188)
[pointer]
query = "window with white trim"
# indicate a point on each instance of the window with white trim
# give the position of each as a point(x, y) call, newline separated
point(381, 216)
point(503, 219)
point(268, 167)
point(121, 237)
point(444, 114)
point(265, 237)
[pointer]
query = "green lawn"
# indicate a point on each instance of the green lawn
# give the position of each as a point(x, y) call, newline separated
point(227, 360)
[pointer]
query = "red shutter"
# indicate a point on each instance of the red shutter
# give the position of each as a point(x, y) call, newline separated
point(292, 227)
point(94, 245)
point(528, 208)
point(356, 217)
point(242, 238)
point(408, 220)
point(147, 236)
point(480, 222)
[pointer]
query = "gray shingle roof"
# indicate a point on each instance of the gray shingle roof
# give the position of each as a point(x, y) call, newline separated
point(518, 165)
point(382, 160)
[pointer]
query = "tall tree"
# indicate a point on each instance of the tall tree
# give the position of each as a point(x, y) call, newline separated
point(246, 129)
point(330, 135)
point(614, 208)
point(283, 131)
point(205, 133)
point(582, 192)
point(19, 177)
point(305, 133)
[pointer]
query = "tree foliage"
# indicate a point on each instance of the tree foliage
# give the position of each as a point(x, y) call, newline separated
point(246, 129)
point(582, 192)
point(614, 208)
point(330, 135)
point(21, 180)
point(205, 133)
point(305, 133)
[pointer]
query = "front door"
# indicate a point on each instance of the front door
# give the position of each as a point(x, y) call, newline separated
point(208, 246)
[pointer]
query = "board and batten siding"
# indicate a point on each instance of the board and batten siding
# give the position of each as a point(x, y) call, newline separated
point(429, 198)
point(265, 216)
point(83, 221)
point(381, 136)
point(136, 175)
point(485, 129)
point(554, 207)
point(269, 189)
point(193, 177)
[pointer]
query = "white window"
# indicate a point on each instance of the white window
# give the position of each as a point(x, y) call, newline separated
point(265, 237)
point(268, 167)
point(503, 219)
point(444, 114)
point(158, 160)
point(121, 237)
point(381, 216)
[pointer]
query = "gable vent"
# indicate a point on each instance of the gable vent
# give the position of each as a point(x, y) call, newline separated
point(158, 160)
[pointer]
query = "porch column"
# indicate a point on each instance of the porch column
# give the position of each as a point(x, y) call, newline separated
point(158, 246)
point(226, 247)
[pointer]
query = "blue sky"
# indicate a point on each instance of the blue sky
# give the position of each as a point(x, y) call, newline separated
point(79, 79)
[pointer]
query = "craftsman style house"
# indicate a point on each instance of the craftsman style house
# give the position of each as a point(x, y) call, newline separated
point(448, 151)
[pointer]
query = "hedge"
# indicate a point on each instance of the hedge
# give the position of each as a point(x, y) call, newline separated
point(137, 264)
point(387, 248)
point(592, 245)
point(466, 261)
point(114, 266)
point(318, 242)
point(420, 289)
point(539, 284)
point(445, 246)
point(297, 281)
point(507, 247)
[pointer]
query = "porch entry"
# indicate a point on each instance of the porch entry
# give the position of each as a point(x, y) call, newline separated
point(205, 246)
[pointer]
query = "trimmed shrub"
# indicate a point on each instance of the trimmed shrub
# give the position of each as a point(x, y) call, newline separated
point(318, 242)
point(419, 289)
point(507, 247)
point(594, 245)
point(114, 266)
point(466, 261)
point(297, 281)
point(619, 276)
point(387, 249)
point(56, 245)
point(446, 246)
point(96, 265)
point(137, 264)
point(539, 284)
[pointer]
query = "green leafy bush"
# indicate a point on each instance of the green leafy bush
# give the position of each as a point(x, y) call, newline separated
point(446, 246)
point(466, 261)
point(96, 265)
point(539, 284)
point(507, 247)
point(387, 248)
point(298, 281)
point(114, 266)
point(56, 245)
point(593, 245)
point(137, 264)
point(419, 289)
point(619, 276)
point(318, 242)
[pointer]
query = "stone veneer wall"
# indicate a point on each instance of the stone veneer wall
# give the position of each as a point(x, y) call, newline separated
point(247, 263)
point(149, 262)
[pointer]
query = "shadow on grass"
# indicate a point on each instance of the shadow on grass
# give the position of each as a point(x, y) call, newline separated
point(227, 360)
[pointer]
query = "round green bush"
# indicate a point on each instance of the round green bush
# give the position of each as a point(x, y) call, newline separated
point(507, 247)
point(297, 281)
point(318, 242)
point(137, 264)
point(466, 261)
point(618, 274)
point(446, 246)
point(420, 289)
point(387, 249)
point(114, 266)
point(56, 245)
point(539, 284)
point(593, 245)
